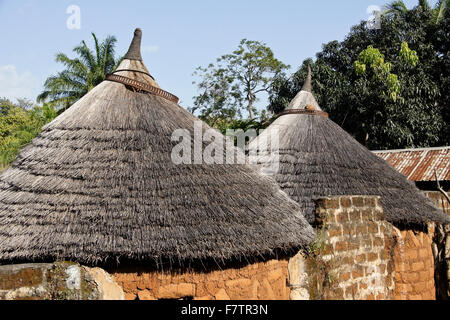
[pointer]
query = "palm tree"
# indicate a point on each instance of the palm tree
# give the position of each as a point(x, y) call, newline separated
point(441, 7)
point(425, 5)
point(399, 8)
point(81, 74)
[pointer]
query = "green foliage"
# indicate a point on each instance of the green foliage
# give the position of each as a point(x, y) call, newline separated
point(408, 56)
point(373, 58)
point(234, 82)
point(399, 8)
point(353, 81)
point(81, 74)
point(224, 124)
point(396, 8)
point(220, 99)
point(381, 70)
point(441, 8)
point(19, 126)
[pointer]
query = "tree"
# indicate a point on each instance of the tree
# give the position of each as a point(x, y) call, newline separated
point(441, 42)
point(18, 126)
point(236, 80)
point(220, 99)
point(398, 7)
point(371, 63)
point(414, 49)
point(441, 8)
point(25, 103)
point(82, 74)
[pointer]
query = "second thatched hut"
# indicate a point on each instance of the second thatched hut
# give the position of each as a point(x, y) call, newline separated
point(317, 158)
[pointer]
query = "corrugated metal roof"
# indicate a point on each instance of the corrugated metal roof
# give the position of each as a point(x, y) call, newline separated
point(419, 164)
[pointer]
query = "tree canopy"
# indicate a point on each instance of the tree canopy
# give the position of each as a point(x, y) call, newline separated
point(19, 124)
point(389, 88)
point(399, 8)
point(235, 81)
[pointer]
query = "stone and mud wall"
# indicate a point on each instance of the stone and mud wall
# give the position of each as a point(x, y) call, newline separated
point(352, 257)
point(57, 281)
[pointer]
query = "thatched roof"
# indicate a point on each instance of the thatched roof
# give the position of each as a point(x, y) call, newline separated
point(318, 158)
point(98, 185)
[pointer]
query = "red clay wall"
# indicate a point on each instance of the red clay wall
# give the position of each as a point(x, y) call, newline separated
point(259, 281)
point(414, 266)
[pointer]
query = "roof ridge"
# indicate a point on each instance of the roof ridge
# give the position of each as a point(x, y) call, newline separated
point(411, 149)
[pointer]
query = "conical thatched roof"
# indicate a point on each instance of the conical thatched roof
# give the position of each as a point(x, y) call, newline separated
point(318, 158)
point(98, 185)
point(305, 100)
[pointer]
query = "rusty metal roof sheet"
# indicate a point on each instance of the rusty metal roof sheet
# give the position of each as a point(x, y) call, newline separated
point(419, 164)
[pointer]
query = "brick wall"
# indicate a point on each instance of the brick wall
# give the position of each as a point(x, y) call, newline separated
point(414, 266)
point(352, 255)
point(259, 281)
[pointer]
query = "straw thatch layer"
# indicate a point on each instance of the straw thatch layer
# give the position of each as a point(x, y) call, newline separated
point(99, 185)
point(318, 158)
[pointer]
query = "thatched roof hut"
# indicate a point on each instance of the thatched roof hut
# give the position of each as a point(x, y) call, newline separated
point(98, 186)
point(318, 158)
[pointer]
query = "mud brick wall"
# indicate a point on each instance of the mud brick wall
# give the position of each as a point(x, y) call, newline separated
point(58, 281)
point(441, 248)
point(414, 266)
point(352, 256)
point(259, 281)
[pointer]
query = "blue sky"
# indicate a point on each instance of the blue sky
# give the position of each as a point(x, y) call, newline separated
point(178, 35)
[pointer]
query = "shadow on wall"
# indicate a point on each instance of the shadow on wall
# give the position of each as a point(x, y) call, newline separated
point(441, 248)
